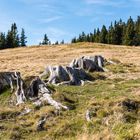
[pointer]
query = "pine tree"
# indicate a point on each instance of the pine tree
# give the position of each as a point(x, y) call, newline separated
point(88, 38)
point(9, 40)
point(110, 34)
point(14, 34)
point(97, 36)
point(91, 37)
point(103, 35)
point(130, 32)
point(49, 42)
point(74, 40)
point(118, 32)
point(2, 41)
point(80, 39)
point(56, 43)
point(45, 40)
point(12, 39)
point(137, 32)
point(83, 37)
point(23, 38)
point(62, 42)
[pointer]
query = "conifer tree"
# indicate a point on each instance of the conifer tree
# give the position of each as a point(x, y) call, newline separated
point(45, 40)
point(23, 38)
point(14, 34)
point(88, 38)
point(2, 41)
point(130, 32)
point(74, 40)
point(137, 32)
point(110, 34)
point(83, 37)
point(103, 35)
point(97, 36)
point(56, 43)
point(9, 40)
point(62, 42)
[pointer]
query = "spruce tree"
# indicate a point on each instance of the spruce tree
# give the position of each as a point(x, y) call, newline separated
point(14, 34)
point(130, 32)
point(118, 32)
point(74, 40)
point(137, 32)
point(45, 40)
point(23, 38)
point(9, 40)
point(2, 41)
point(56, 43)
point(88, 38)
point(97, 36)
point(103, 35)
point(62, 42)
point(83, 37)
point(110, 34)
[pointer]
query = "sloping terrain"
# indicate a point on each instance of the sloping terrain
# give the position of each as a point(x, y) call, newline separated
point(112, 98)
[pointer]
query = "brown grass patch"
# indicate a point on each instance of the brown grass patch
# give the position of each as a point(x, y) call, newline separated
point(32, 60)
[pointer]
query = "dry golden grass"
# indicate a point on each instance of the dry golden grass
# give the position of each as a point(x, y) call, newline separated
point(32, 60)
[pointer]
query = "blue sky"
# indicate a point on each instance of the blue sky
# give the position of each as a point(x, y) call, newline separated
point(63, 19)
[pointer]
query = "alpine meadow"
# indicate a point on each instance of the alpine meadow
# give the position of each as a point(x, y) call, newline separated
point(70, 70)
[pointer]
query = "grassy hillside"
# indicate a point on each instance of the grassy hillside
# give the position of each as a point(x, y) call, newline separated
point(113, 97)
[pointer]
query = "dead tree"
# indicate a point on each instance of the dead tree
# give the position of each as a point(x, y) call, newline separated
point(89, 63)
point(59, 75)
point(20, 89)
point(39, 89)
point(9, 79)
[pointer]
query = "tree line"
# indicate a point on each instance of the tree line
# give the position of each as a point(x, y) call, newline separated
point(12, 38)
point(118, 33)
point(46, 41)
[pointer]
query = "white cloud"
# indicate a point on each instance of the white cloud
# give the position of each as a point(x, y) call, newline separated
point(55, 32)
point(32, 1)
point(50, 19)
point(107, 3)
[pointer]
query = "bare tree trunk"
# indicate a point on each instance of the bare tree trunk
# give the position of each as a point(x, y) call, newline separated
point(44, 94)
point(20, 91)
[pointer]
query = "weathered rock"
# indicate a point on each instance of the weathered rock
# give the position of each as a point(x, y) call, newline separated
point(89, 63)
